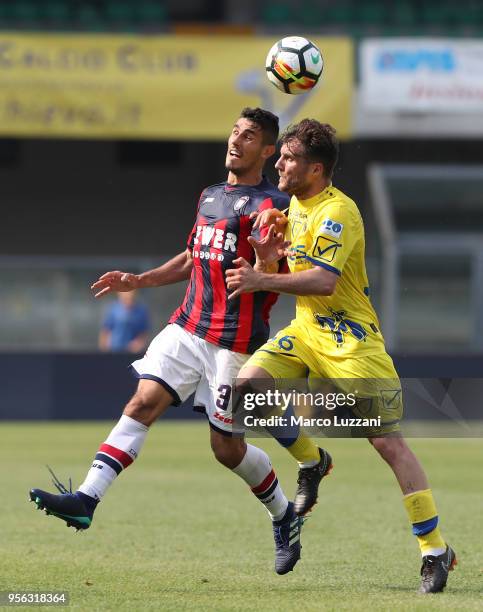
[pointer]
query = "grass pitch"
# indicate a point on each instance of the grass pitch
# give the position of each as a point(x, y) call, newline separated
point(177, 531)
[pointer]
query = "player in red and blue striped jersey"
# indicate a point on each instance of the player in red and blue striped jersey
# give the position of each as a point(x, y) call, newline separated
point(204, 346)
point(218, 238)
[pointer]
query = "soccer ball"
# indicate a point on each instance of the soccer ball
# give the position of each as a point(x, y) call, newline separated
point(294, 65)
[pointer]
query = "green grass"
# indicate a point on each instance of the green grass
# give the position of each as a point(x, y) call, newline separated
point(177, 531)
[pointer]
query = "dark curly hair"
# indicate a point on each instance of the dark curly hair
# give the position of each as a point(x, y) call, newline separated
point(267, 121)
point(318, 140)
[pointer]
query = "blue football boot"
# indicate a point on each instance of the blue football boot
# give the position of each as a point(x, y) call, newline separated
point(286, 534)
point(76, 509)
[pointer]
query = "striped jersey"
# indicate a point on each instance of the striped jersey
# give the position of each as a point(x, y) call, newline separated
point(219, 236)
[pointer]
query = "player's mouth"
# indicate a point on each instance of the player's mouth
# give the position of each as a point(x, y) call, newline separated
point(282, 181)
point(234, 153)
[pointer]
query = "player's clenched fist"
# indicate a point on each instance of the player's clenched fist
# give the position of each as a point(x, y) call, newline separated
point(115, 281)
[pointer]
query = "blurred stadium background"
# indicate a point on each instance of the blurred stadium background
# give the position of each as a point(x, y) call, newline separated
point(114, 115)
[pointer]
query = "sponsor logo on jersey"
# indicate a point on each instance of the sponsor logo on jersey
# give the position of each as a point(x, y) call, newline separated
point(208, 255)
point(391, 397)
point(331, 228)
point(325, 249)
point(217, 238)
point(208, 200)
point(297, 252)
point(340, 326)
point(223, 418)
point(240, 203)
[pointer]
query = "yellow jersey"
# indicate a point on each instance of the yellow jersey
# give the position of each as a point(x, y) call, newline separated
point(327, 230)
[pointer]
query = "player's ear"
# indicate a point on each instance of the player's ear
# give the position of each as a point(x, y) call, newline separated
point(318, 169)
point(268, 151)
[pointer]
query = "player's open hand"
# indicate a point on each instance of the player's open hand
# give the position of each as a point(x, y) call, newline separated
point(115, 281)
point(271, 248)
point(242, 279)
point(271, 216)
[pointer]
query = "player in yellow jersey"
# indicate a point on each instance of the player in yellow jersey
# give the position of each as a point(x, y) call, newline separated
point(335, 334)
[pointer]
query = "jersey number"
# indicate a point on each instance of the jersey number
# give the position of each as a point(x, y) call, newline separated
point(224, 394)
point(285, 343)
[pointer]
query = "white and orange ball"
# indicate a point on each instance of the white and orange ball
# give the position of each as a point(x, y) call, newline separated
point(294, 65)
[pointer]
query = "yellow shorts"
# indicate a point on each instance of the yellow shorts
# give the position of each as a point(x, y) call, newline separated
point(287, 356)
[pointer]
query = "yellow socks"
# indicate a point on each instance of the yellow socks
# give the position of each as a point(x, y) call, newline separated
point(423, 515)
point(304, 451)
point(291, 437)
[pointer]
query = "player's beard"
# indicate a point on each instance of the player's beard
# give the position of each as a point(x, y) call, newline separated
point(295, 185)
point(239, 170)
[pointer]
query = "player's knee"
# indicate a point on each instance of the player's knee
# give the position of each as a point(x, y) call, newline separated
point(244, 391)
point(246, 387)
point(228, 451)
point(251, 377)
point(143, 408)
point(244, 384)
point(391, 449)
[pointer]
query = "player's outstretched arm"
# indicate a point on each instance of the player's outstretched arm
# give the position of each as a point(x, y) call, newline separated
point(244, 279)
point(173, 271)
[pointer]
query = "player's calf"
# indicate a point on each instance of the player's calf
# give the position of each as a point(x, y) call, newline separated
point(228, 450)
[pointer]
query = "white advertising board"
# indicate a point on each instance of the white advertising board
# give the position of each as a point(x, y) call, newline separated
point(421, 75)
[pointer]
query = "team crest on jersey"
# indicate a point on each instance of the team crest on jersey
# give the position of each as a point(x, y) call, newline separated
point(240, 203)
